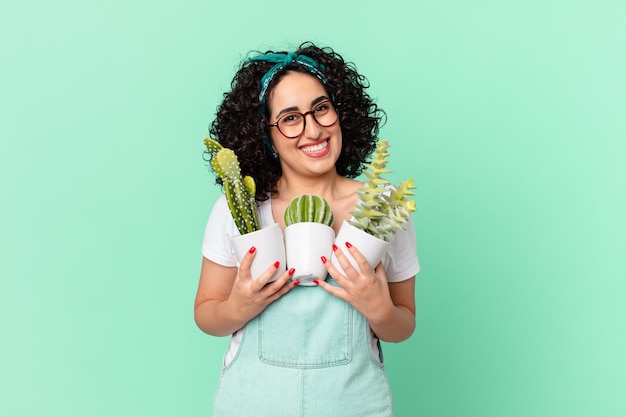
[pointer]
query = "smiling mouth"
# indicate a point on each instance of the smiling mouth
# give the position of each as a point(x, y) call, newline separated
point(320, 147)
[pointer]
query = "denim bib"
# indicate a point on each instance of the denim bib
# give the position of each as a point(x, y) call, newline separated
point(307, 354)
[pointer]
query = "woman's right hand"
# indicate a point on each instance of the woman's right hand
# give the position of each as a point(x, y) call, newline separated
point(228, 297)
point(249, 296)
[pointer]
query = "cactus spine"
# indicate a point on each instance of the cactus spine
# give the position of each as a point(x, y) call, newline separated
point(383, 208)
point(309, 208)
point(240, 192)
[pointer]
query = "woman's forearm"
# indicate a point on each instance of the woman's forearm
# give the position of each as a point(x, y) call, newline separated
point(396, 326)
point(396, 321)
point(218, 318)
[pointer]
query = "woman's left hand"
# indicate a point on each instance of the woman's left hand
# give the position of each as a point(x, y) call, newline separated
point(365, 289)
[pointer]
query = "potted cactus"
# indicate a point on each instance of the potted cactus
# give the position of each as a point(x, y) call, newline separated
point(240, 196)
point(308, 236)
point(382, 210)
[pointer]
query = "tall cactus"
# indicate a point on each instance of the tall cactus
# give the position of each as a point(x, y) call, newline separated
point(240, 192)
point(383, 208)
point(309, 208)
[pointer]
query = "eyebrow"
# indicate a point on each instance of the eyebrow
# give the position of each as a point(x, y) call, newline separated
point(295, 108)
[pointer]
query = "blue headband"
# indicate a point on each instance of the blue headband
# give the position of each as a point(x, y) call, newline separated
point(282, 60)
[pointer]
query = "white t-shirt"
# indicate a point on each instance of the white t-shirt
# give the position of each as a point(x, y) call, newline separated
point(399, 262)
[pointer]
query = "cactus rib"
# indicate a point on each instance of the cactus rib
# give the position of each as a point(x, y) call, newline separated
point(308, 208)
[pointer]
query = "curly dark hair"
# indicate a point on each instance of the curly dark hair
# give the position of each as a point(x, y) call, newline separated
point(241, 119)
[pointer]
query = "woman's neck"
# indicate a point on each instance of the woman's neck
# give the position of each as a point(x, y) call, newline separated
point(329, 186)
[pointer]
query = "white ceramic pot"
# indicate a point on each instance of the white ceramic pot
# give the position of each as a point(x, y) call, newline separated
point(270, 247)
point(370, 246)
point(305, 244)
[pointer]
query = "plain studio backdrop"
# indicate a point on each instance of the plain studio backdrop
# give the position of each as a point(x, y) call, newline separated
point(509, 115)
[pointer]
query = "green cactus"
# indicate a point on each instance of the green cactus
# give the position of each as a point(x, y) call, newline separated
point(383, 208)
point(240, 192)
point(309, 208)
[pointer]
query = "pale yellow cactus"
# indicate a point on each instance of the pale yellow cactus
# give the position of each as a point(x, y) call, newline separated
point(383, 208)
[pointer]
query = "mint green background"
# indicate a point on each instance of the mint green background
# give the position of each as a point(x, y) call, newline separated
point(509, 115)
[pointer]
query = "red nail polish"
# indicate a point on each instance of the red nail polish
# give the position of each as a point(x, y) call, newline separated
point(316, 282)
point(252, 249)
point(334, 247)
point(348, 245)
point(276, 264)
point(323, 259)
point(296, 283)
point(291, 272)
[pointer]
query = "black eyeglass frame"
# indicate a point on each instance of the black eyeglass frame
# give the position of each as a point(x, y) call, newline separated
point(304, 115)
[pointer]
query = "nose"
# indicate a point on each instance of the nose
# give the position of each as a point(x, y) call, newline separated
point(311, 129)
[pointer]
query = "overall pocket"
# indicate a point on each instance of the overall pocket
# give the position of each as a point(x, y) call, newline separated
point(306, 328)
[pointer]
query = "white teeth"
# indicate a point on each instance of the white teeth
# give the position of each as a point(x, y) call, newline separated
point(316, 148)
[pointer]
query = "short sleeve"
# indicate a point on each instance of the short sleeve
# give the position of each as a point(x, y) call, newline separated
point(220, 228)
point(400, 261)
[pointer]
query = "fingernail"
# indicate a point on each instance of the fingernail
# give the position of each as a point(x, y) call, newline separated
point(296, 283)
point(348, 245)
point(291, 271)
point(323, 259)
point(334, 247)
point(252, 249)
point(276, 264)
point(316, 281)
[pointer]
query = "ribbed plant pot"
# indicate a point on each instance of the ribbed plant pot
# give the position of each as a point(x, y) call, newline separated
point(270, 247)
point(305, 244)
point(370, 246)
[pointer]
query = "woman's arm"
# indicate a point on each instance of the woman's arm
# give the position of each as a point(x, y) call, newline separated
point(228, 298)
point(398, 323)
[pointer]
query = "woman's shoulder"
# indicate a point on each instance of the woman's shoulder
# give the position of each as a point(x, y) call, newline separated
point(349, 185)
point(220, 204)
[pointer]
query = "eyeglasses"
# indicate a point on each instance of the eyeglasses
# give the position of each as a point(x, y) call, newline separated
point(292, 124)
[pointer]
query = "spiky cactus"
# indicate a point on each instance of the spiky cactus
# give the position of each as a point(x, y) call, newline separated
point(309, 208)
point(239, 191)
point(383, 208)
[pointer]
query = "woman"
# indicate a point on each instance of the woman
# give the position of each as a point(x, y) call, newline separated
point(302, 123)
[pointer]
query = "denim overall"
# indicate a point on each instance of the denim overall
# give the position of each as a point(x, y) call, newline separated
point(308, 354)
